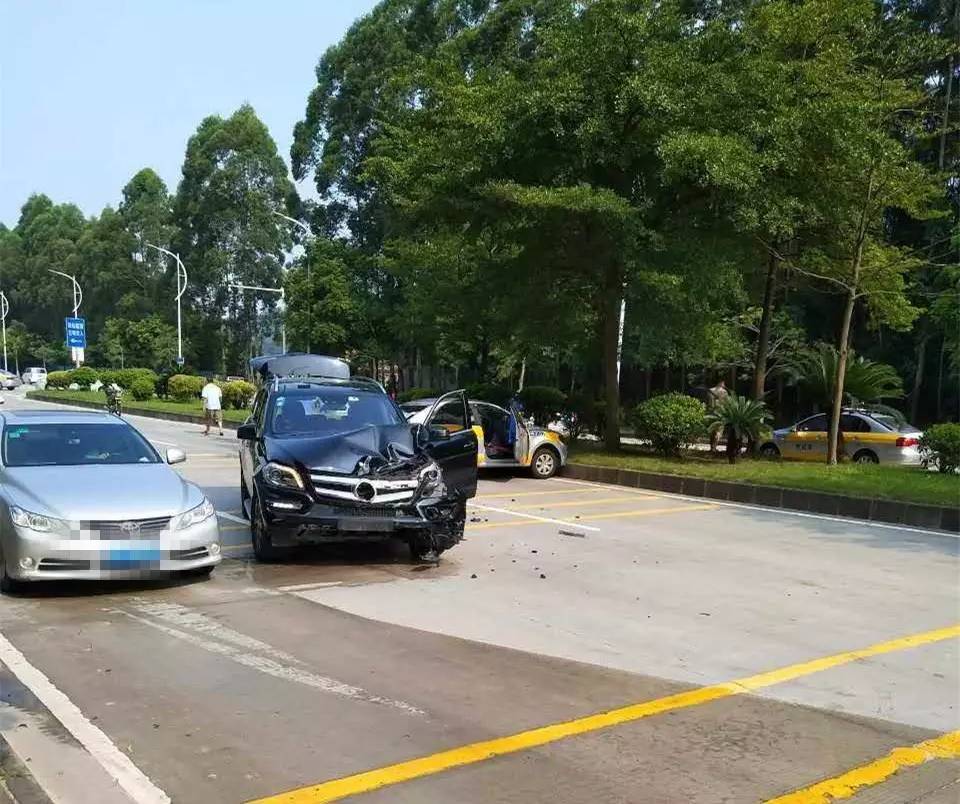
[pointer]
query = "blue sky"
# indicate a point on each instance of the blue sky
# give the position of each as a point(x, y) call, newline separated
point(93, 90)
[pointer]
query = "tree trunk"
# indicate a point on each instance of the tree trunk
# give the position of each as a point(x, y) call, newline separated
point(943, 351)
point(840, 377)
point(946, 103)
point(763, 336)
point(733, 446)
point(918, 379)
point(611, 331)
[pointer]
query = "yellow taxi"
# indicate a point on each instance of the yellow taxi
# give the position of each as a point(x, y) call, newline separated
point(866, 437)
point(504, 438)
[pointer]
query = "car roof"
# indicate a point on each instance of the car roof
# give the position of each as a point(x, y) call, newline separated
point(418, 403)
point(10, 417)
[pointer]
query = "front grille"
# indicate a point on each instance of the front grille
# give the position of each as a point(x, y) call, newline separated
point(63, 564)
point(115, 529)
point(189, 555)
point(362, 491)
point(369, 512)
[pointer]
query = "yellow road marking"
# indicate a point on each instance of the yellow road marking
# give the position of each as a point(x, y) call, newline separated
point(236, 547)
point(368, 781)
point(483, 497)
point(649, 511)
point(847, 784)
point(574, 503)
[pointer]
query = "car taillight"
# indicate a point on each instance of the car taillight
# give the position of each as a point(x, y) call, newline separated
point(907, 442)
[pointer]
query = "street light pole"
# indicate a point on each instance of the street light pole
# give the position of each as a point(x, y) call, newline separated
point(283, 296)
point(309, 234)
point(4, 309)
point(77, 299)
point(181, 289)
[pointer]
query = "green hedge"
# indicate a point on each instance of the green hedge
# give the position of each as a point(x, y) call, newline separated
point(238, 394)
point(184, 387)
point(83, 376)
point(417, 393)
point(126, 377)
point(58, 379)
point(670, 422)
point(939, 446)
point(142, 389)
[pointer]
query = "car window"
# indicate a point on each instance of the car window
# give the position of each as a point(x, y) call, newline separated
point(815, 424)
point(450, 416)
point(322, 411)
point(75, 445)
point(853, 424)
point(893, 423)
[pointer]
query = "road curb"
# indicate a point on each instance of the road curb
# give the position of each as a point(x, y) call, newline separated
point(916, 515)
point(149, 414)
point(17, 785)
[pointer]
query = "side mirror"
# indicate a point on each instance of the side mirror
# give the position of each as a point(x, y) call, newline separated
point(175, 455)
point(247, 432)
point(438, 434)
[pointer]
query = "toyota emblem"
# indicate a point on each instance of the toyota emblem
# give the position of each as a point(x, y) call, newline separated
point(130, 528)
point(365, 491)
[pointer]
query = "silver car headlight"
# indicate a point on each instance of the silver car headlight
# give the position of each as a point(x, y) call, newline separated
point(431, 481)
point(284, 477)
point(195, 516)
point(36, 522)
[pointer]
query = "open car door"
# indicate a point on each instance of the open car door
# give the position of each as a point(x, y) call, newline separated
point(521, 447)
point(452, 443)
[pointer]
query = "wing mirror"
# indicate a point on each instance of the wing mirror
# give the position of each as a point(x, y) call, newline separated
point(175, 455)
point(247, 432)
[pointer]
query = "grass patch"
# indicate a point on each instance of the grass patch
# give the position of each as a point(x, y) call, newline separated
point(132, 405)
point(903, 483)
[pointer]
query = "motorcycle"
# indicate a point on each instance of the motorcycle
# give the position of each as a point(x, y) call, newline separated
point(114, 405)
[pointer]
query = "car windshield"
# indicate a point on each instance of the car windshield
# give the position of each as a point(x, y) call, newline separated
point(326, 411)
point(893, 423)
point(74, 445)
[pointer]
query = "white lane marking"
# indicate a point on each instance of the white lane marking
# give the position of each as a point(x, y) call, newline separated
point(117, 764)
point(163, 443)
point(843, 520)
point(565, 523)
point(274, 668)
point(301, 587)
point(233, 517)
point(183, 617)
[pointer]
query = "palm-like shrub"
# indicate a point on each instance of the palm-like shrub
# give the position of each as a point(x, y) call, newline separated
point(815, 370)
point(740, 418)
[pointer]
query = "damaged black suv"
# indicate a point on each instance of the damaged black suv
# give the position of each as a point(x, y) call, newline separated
point(326, 457)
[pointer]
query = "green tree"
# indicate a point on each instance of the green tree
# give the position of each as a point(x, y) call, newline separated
point(865, 380)
point(147, 342)
point(233, 182)
point(740, 419)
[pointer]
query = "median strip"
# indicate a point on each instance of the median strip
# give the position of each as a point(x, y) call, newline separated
point(371, 780)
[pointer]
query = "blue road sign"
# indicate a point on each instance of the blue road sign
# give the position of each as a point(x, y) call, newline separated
point(76, 333)
point(180, 361)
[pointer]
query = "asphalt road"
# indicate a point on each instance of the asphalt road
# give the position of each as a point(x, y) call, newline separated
point(584, 644)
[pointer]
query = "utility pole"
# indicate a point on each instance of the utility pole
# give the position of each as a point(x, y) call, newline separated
point(181, 289)
point(283, 295)
point(306, 230)
point(4, 309)
point(77, 299)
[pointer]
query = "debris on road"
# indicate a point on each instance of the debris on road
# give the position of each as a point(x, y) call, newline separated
point(573, 533)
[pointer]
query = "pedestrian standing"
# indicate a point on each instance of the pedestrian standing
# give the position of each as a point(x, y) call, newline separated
point(717, 394)
point(212, 406)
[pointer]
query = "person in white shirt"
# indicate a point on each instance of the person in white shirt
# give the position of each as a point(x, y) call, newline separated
point(212, 406)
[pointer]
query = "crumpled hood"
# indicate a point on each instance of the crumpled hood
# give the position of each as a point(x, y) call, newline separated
point(120, 492)
point(369, 450)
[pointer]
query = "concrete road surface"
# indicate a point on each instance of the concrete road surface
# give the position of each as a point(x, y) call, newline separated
point(584, 644)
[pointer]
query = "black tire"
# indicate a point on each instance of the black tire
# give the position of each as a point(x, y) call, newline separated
point(769, 451)
point(866, 456)
point(244, 498)
point(263, 547)
point(7, 584)
point(545, 463)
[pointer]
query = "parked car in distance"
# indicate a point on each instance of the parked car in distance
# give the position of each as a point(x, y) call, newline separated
point(84, 496)
point(866, 437)
point(9, 380)
point(35, 375)
point(504, 438)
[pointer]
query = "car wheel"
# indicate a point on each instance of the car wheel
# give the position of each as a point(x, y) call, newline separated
point(7, 584)
point(866, 456)
point(544, 463)
point(769, 451)
point(263, 547)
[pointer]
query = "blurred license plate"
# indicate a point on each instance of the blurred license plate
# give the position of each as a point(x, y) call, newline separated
point(131, 558)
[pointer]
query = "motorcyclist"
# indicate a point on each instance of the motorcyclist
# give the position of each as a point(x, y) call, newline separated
point(113, 392)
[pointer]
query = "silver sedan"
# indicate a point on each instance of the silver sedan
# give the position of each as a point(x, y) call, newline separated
point(86, 496)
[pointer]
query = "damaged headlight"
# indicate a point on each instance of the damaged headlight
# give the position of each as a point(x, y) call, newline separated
point(284, 477)
point(431, 481)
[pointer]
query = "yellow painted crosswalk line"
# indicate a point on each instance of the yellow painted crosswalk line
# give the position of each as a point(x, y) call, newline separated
point(371, 780)
point(574, 503)
point(848, 784)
